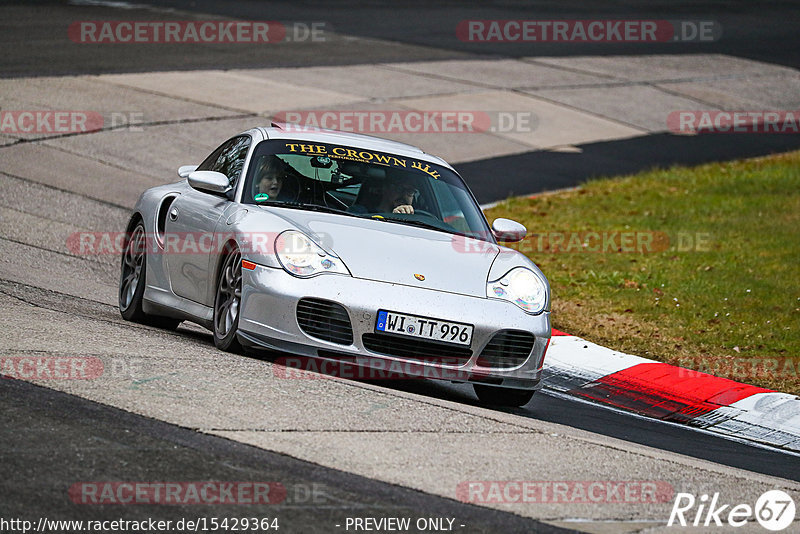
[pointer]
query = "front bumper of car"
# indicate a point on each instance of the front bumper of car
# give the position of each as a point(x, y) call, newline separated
point(269, 318)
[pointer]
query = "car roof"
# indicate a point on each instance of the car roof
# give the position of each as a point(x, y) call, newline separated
point(319, 135)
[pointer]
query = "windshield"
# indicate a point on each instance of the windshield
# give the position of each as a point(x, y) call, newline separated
point(362, 183)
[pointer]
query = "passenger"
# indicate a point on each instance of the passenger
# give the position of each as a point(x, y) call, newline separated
point(270, 173)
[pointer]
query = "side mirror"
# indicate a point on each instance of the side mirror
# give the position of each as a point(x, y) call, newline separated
point(508, 231)
point(185, 170)
point(209, 181)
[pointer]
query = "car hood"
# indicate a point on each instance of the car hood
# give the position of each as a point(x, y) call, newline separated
point(396, 253)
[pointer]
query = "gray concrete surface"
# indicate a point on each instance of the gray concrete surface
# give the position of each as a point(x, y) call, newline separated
point(572, 103)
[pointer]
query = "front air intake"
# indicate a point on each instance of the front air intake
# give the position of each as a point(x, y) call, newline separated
point(325, 320)
point(507, 349)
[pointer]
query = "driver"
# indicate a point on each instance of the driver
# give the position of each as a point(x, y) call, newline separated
point(398, 197)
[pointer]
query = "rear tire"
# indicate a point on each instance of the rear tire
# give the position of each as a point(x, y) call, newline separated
point(498, 396)
point(132, 281)
point(227, 300)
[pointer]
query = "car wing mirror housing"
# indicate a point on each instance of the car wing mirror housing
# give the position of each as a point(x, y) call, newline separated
point(185, 170)
point(209, 181)
point(508, 231)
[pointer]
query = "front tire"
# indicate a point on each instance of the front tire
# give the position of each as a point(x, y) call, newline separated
point(227, 301)
point(132, 281)
point(498, 396)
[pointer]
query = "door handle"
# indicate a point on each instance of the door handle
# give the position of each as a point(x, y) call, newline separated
point(173, 214)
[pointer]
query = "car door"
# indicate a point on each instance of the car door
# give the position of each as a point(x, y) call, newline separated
point(191, 221)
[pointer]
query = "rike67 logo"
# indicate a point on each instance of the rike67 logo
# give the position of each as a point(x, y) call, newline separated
point(774, 510)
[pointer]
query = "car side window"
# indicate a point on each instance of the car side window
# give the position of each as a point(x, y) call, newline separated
point(228, 158)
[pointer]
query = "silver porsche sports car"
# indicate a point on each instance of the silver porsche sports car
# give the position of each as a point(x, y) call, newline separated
point(337, 247)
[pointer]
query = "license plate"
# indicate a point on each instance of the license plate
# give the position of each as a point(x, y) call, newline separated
point(424, 327)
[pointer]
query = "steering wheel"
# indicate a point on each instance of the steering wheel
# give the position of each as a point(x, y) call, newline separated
point(426, 213)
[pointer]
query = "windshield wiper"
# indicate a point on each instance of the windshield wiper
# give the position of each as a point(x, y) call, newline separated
point(304, 206)
point(414, 222)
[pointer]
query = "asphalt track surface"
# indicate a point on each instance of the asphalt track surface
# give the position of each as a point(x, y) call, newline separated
point(425, 30)
point(103, 443)
point(51, 439)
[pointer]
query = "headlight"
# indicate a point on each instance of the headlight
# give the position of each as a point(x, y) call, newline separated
point(522, 287)
point(300, 256)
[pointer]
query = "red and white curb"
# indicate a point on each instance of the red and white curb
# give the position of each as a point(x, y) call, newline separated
point(582, 369)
